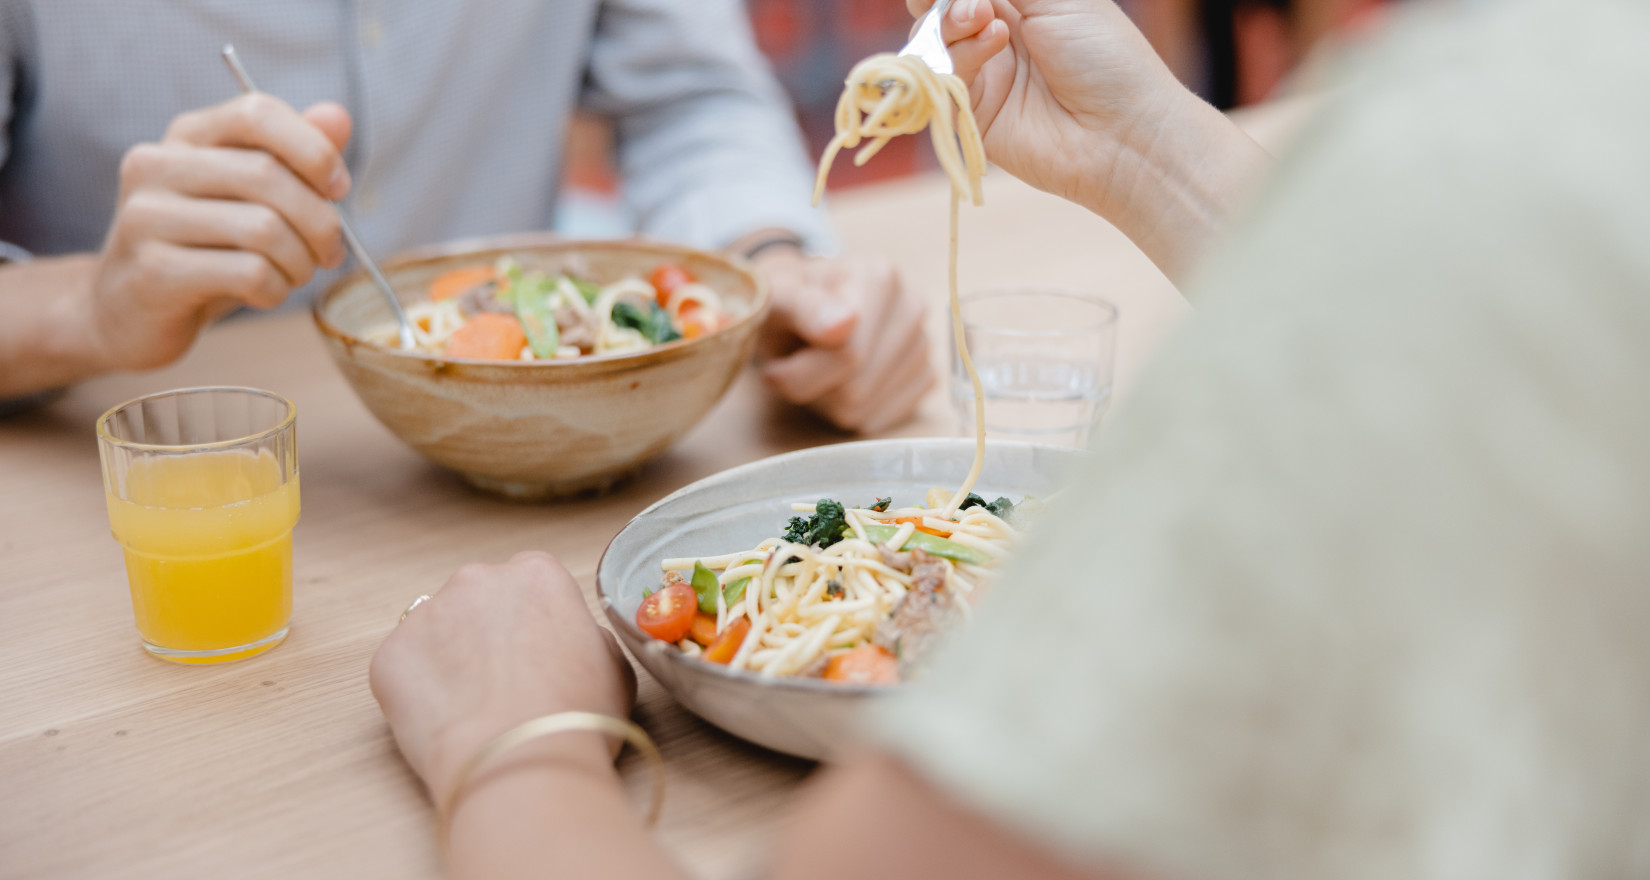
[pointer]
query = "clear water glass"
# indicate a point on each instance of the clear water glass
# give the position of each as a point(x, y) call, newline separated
point(1045, 361)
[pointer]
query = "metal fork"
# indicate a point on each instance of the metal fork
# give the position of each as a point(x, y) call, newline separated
point(926, 42)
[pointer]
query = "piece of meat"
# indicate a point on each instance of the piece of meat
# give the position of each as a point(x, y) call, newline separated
point(922, 616)
point(635, 299)
point(895, 559)
point(577, 328)
point(483, 298)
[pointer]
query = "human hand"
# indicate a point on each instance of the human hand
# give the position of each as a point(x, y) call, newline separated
point(1079, 80)
point(230, 208)
point(844, 339)
point(497, 646)
point(1071, 98)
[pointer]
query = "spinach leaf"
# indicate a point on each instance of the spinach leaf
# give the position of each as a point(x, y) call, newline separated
point(653, 322)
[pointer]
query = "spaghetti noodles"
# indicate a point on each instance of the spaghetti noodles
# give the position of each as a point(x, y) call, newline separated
point(847, 583)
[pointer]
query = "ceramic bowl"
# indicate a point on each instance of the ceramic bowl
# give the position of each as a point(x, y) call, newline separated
point(539, 429)
point(736, 509)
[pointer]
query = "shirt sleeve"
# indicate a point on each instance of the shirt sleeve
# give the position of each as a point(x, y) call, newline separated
point(1352, 587)
point(707, 143)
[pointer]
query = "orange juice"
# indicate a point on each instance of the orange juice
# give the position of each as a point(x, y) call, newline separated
point(208, 541)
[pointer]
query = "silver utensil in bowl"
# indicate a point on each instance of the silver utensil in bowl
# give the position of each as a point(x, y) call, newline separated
point(352, 240)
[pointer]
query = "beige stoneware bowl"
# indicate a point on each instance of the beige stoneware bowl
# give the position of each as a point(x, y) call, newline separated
point(541, 429)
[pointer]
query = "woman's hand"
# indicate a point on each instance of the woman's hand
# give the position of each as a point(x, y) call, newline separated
point(230, 208)
point(1071, 98)
point(845, 339)
point(498, 645)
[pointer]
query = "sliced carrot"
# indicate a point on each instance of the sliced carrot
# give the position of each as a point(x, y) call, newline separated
point(866, 664)
point(488, 336)
point(727, 644)
point(917, 521)
point(703, 629)
point(456, 282)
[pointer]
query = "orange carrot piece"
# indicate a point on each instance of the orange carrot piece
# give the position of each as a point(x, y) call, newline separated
point(917, 521)
point(727, 644)
point(703, 629)
point(456, 282)
point(866, 664)
point(489, 337)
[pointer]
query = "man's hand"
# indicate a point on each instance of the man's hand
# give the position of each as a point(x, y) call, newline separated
point(230, 208)
point(844, 339)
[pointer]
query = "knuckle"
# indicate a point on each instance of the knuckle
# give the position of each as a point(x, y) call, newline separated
point(141, 162)
point(265, 171)
point(149, 261)
point(264, 229)
point(471, 572)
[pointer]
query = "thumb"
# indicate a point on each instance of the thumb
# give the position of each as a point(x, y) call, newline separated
point(333, 121)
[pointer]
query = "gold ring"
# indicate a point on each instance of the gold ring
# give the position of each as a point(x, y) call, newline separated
point(415, 603)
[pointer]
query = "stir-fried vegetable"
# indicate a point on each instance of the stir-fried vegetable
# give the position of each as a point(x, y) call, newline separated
point(824, 528)
point(532, 296)
point(653, 322)
point(866, 664)
point(728, 642)
point(1001, 507)
point(666, 278)
point(488, 337)
point(667, 614)
point(930, 544)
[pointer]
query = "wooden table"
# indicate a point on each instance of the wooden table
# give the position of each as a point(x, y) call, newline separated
point(115, 765)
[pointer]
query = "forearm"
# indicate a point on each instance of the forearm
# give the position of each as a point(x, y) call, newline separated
point(1175, 183)
point(554, 808)
point(48, 337)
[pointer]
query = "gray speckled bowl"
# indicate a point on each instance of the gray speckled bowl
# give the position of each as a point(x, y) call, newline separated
point(736, 509)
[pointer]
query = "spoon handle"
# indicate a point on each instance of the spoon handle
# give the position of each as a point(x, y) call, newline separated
point(351, 240)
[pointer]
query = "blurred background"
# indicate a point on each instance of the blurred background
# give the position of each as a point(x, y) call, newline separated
point(1234, 53)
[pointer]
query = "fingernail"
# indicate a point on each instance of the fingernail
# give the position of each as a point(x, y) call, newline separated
point(963, 12)
point(338, 186)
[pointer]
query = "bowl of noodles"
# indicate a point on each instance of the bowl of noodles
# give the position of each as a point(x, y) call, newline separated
point(545, 367)
point(819, 609)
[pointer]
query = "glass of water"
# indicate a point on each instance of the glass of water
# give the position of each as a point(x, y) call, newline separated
point(1045, 362)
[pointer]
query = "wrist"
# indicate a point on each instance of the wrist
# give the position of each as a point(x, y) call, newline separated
point(451, 780)
point(1176, 177)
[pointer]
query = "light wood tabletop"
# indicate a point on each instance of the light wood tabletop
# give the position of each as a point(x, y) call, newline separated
point(115, 765)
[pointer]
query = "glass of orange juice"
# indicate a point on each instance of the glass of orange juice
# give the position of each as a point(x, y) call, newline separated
point(202, 485)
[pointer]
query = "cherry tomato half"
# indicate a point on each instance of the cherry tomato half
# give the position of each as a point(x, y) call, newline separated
point(667, 614)
point(666, 279)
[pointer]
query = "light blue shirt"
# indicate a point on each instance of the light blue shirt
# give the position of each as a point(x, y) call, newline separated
point(461, 109)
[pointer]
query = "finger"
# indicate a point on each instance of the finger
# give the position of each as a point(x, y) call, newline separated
point(188, 277)
point(971, 54)
point(898, 348)
point(260, 122)
point(807, 375)
point(918, 7)
point(965, 19)
point(815, 313)
point(902, 401)
point(216, 223)
point(240, 175)
point(853, 405)
point(333, 121)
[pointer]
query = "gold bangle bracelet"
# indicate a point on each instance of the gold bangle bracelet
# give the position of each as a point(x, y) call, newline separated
point(564, 722)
